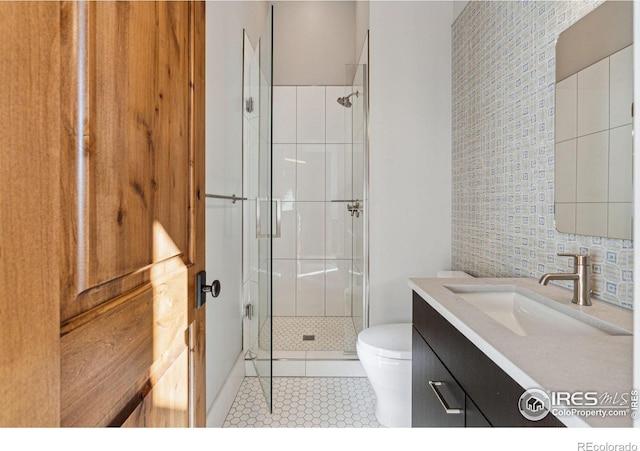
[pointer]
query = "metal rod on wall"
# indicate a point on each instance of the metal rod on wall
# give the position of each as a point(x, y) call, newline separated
point(232, 198)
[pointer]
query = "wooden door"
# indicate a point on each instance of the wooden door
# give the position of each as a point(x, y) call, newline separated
point(124, 188)
point(133, 211)
point(29, 213)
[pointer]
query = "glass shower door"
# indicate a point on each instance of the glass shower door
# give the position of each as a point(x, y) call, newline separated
point(260, 211)
point(356, 181)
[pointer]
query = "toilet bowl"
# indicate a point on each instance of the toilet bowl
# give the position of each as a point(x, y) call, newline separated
point(385, 354)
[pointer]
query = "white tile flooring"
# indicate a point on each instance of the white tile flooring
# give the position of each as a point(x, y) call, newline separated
point(305, 402)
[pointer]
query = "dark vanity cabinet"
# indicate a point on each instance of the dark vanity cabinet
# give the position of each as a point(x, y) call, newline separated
point(438, 400)
point(454, 384)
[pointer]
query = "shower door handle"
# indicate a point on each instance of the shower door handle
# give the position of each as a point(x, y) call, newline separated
point(278, 218)
point(278, 215)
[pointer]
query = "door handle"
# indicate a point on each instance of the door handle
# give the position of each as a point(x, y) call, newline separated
point(450, 410)
point(202, 289)
point(278, 230)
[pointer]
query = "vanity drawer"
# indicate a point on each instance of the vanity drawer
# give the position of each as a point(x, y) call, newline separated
point(438, 400)
point(492, 390)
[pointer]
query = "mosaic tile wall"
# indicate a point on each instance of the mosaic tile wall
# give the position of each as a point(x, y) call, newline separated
point(503, 149)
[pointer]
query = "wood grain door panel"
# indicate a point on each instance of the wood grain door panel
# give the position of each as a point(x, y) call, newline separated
point(102, 230)
point(132, 203)
point(111, 361)
point(130, 350)
point(29, 213)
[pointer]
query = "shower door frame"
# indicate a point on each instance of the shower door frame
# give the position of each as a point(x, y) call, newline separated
point(258, 226)
point(351, 74)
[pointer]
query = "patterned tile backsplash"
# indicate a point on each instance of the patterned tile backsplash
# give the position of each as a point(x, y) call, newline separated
point(503, 149)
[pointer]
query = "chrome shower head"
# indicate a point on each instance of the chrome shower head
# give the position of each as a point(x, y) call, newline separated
point(345, 102)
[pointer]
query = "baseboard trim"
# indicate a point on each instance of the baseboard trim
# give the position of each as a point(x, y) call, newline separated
point(223, 402)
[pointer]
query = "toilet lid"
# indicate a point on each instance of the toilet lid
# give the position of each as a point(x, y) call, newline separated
point(389, 340)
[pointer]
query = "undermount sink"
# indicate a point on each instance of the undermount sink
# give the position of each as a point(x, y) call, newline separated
point(528, 314)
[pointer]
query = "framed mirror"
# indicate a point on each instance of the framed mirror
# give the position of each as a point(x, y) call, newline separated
point(593, 124)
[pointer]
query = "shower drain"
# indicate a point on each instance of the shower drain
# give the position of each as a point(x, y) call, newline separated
point(308, 338)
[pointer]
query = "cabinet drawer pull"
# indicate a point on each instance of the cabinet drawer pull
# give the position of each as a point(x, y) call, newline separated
point(445, 406)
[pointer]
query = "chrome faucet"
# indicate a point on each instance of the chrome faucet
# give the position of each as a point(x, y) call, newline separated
point(581, 278)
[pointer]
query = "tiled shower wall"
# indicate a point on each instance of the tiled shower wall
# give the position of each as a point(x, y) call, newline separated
point(312, 154)
point(503, 149)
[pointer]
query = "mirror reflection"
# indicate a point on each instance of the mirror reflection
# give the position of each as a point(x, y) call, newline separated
point(593, 132)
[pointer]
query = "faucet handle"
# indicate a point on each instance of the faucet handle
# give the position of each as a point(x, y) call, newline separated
point(580, 260)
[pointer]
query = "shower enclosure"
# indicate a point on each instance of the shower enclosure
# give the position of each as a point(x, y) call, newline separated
point(305, 215)
point(319, 173)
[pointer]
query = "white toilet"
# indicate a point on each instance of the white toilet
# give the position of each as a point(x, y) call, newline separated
point(385, 354)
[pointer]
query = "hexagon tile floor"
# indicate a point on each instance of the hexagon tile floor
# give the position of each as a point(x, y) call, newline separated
point(305, 402)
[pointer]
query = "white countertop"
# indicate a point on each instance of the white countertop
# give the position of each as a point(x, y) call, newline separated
point(600, 364)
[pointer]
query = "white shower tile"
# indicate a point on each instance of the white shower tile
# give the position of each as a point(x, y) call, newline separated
point(338, 171)
point(357, 232)
point(621, 164)
point(284, 181)
point(311, 172)
point(331, 354)
point(358, 112)
point(284, 171)
point(357, 170)
point(284, 114)
point(338, 281)
point(593, 167)
point(284, 246)
point(356, 292)
point(338, 237)
point(310, 288)
point(310, 114)
point(310, 230)
point(252, 242)
point(593, 98)
point(621, 93)
point(284, 287)
point(290, 368)
point(338, 117)
point(567, 109)
point(286, 355)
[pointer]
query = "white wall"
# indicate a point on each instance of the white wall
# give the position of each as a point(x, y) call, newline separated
point(224, 29)
point(410, 150)
point(458, 6)
point(313, 40)
point(362, 24)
